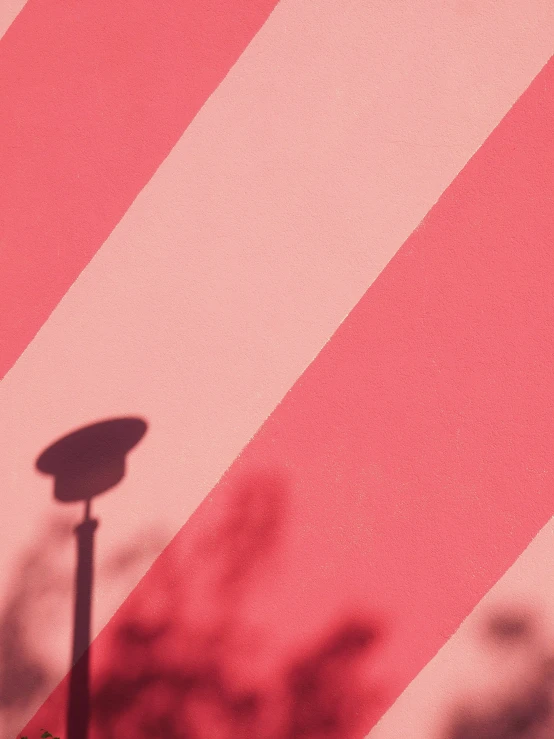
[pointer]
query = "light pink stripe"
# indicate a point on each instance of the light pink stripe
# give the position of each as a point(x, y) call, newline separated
point(9, 9)
point(470, 671)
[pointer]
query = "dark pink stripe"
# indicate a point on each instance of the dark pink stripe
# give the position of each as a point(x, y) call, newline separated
point(93, 95)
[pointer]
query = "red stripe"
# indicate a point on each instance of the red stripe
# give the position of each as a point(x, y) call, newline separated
point(94, 95)
point(417, 450)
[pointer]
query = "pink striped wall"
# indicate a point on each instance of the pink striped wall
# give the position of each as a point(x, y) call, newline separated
point(283, 200)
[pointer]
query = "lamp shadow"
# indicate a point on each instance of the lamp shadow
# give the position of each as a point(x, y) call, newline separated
point(84, 464)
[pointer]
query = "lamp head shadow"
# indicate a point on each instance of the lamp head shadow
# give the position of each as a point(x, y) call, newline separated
point(91, 460)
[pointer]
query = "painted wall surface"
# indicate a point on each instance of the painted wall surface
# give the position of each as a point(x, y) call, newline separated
point(190, 267)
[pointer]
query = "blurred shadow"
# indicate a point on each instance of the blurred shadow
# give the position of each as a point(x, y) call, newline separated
point(527, 708)
point(36, 619)
point(41, 584)
point(182, 658)
point(323, 694)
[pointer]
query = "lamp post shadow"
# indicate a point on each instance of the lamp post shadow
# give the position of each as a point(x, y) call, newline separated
point(84, 464)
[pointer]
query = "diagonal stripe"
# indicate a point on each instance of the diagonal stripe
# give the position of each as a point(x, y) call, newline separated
point(8, 12)
point(94, 97)
point(417, 446)
point(472, 672)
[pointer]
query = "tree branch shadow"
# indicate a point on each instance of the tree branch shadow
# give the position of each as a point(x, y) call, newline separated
point(182, 660)
point(526, 709)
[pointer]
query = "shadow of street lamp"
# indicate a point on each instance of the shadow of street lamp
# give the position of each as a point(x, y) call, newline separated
point(84, 464)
